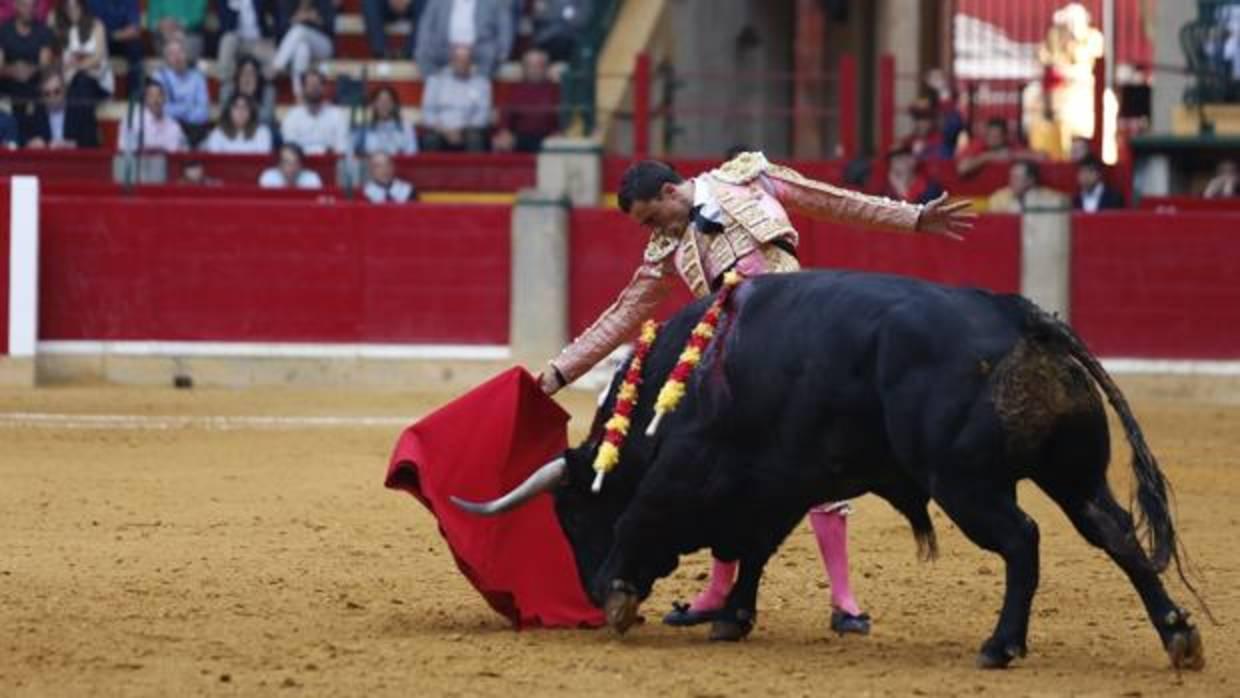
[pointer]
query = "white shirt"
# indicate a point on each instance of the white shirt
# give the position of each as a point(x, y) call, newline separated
point(1091, 200)
point(158, 134)
point(461, 29)
point(219, 142)
point(399, 191)
point(56, 124)
point(317, 133)
point(705, 197)
point(451, 102)
point(273, 178)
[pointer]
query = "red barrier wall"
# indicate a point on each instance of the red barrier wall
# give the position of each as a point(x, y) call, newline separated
point(253, 271)
point(1157, 286)
point(606, 248)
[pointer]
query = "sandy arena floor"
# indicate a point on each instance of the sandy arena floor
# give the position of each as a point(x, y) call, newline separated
point(177, 557)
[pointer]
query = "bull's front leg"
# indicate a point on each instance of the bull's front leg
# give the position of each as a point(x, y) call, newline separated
point(737, 618)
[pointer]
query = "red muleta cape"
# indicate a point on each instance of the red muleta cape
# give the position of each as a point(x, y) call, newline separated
point(478, 447)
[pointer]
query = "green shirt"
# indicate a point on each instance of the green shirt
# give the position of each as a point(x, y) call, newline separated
point(188, 13)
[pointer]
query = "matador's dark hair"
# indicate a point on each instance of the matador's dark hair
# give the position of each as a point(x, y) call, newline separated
point(643, 181)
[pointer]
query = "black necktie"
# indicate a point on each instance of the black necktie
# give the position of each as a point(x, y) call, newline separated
point(704, 224)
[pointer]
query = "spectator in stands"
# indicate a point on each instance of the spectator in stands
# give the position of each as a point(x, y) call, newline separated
point(456, 106)
point(42, 10)
point(194, 173)
point(905, 182)
point(309, 37)
point(186, 88)
point(247, 28)
point(84, 51)
point(122, 20)
point(316, 125)
point(558, 24)
point(56, 123)
point(167, 19)
point(1094, 193)
point(532, 112)
point(289, 171)
point(995, 146)
point(1080, 149)
point(155, 129)
point(25, 46)
point(248, 81)
point(386, 131)
point(483, 25)
point(1225, 183)
point(239, 130)
point(382, 185)
point(926, 140)
point(944, 99)
point(1024, 191)
point(378, 13)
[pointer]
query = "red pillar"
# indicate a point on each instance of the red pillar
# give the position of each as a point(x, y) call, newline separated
point(809, 65)
point(886, 103)
point(641, 106)
point(848, 106)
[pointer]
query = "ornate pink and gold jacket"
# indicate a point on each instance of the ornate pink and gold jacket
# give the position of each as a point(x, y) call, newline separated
point(753, 197)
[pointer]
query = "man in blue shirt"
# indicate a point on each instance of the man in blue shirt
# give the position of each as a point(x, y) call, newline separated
point(186, 88)
point(122, 20)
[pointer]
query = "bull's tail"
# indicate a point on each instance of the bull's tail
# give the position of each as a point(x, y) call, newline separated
point(1154, 522)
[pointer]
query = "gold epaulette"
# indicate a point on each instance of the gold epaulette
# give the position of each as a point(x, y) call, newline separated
point(660, 246)
point(741, 169)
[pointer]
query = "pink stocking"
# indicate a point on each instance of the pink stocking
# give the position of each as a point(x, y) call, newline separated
point(715, 594)
point(831, 530)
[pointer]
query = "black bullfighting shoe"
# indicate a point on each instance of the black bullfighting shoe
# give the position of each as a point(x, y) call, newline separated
point(683, 616)
point(844, 623)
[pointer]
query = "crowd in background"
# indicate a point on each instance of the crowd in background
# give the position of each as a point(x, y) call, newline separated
point(56, 68)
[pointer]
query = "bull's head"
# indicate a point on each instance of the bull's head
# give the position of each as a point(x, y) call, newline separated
point(587, 518)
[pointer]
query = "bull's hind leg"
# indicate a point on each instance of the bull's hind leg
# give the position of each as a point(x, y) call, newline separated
point(987, 513)
point(1075, 477)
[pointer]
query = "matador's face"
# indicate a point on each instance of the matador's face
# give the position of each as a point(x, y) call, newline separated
point(667, 211)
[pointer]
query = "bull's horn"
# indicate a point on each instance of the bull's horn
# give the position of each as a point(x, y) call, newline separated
point(543, 480)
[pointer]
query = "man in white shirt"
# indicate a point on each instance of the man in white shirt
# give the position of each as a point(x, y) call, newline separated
point(316, 125)
point(154, 129)
point(456, 106)
point(288, 172)
point(382, 186)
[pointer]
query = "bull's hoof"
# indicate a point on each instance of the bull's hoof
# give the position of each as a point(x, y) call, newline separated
point(733, 627)
point(997, 655)
point(1186, 650)
point(621, 606)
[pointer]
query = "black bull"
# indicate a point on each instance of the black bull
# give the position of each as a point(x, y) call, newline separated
point(827, 385)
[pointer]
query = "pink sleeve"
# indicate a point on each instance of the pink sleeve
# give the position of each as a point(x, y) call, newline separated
point(618, 324)
point(823, 201)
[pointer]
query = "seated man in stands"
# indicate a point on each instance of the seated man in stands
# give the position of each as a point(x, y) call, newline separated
point(926, 140)
point(905, 183)
point(996, 145)
point(1024, 191)
point(558, 25)
point(316, 125)
point(533, 109)
point(456, 106)
point(377, 13)
point(485, 26)
point(25, 46)
point(1094, 193)
point(289, 171)
point(169, 19)
point(54, 123)
point(155, 129)
point(123, 21)
point(382, 185)
point(186, 88)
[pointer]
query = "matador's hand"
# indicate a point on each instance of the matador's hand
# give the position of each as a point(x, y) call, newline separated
point(949, 219)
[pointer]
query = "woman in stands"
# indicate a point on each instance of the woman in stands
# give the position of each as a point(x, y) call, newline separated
point(248, 80)
point(239, 130)
point(385, 131)
point(83, 46)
